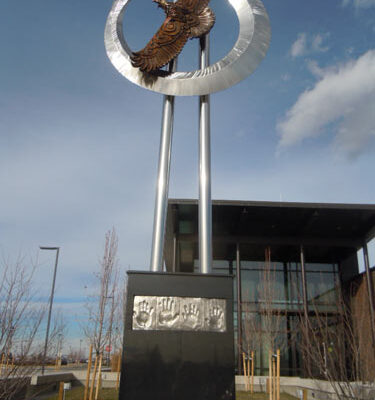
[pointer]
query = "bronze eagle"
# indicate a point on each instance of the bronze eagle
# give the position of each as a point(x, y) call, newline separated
point(185, 19)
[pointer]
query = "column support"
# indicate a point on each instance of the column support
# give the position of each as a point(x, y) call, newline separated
point(304, 285)
point(370, 292)
point(239, 307)
point(161, 198)
point(205, 203)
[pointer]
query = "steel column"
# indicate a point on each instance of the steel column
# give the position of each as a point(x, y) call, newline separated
point(205, 203)
point(370, 291)
point(174, 253)
point(50, 311)
point(304, 286)
point(305, 305)
point(161, 198)
point(239, 307)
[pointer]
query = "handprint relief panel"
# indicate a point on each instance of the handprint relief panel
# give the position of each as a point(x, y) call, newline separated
point(192, 313)
point(179, 313)
point(168, 313)
point(144, 313)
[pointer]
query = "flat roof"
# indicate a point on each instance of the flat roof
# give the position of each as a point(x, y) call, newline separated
point(282, 223)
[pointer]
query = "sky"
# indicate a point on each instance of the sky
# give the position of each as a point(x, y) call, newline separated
point(79, 143)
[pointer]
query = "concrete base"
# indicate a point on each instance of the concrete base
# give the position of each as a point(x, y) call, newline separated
point(313, 389)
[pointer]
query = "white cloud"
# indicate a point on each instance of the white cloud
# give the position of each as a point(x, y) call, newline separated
point(299, 46)
point(344, 96)
point(306, 44)
point(359, 3)
point(314, 68)
point(317, 43)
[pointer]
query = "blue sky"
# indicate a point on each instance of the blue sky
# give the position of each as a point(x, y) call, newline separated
point(79, 143)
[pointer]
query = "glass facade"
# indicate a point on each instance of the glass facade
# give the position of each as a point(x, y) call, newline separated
point(278, 287)
point(280, 280)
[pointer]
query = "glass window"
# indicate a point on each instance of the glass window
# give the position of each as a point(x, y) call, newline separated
point(250, 281)
point(186, 227)
point(319, 267)
point(321, 288)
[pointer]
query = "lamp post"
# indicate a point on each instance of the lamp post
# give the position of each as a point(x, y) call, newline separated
point(110, 328)
point(57, 249)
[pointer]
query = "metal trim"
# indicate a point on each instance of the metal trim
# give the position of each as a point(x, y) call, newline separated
point(173, 313)
point(249, 50)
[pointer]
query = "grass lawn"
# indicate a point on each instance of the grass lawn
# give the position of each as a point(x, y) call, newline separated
point(261, 396)
point(78, 392)
point(112, 394)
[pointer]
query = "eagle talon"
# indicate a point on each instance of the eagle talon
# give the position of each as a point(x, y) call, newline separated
point(161, 3)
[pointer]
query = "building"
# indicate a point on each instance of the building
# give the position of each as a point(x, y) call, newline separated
point(310, 249)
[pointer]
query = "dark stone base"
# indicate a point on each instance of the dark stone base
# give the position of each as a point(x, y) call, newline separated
point(178, 365)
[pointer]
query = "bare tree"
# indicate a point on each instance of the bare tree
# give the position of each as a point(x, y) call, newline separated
point(102, 305)
point(20, 319)
point(332, 342)
point(262, 323)
point(269, 309)
point(119, 316)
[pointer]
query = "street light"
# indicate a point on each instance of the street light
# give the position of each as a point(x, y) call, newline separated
point(50, 303)
point(110, 330)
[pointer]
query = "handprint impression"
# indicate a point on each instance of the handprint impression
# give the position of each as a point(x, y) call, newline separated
point(143, 316)
point(191, 315)
point(168, 314)
point(216, 318)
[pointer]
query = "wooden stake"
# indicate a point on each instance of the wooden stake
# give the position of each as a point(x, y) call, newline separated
point(274, 378)
point(270, 374)
point(87, 384)
point(278, 374)
point(93, 378)
point(99, 376)
point(244, 368)
point(118, 371)
point(252, 372)
point(248, 370)
point(61, 391)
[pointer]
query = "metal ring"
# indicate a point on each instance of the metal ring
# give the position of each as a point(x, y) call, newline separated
point(249, 50)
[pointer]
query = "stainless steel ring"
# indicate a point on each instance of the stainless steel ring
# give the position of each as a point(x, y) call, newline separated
point(249, 50)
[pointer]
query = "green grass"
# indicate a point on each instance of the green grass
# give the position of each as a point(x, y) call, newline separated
point(261, 396)
point(112, 394)
point(78, 392)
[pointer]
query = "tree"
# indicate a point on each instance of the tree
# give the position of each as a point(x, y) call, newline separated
point(102, 306)
point(20, 319)
point(332, 342)
point(262, 323)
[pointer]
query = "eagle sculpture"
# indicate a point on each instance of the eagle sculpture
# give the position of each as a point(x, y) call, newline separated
point(185, 19)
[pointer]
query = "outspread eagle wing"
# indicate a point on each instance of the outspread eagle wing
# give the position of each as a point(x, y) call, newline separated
point(194, 6)
point(165, 45)
point(200, 18)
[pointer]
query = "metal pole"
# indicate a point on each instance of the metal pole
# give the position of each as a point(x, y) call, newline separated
point(161, 199)
point(370, 290)
point(239, 307)
point(50, 306)
point(174, 253)
point(305, 304)
point(205, 203)
point(304, 287)
point(110, 330)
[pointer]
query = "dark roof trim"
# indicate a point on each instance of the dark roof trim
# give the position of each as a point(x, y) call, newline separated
point(244, 203)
